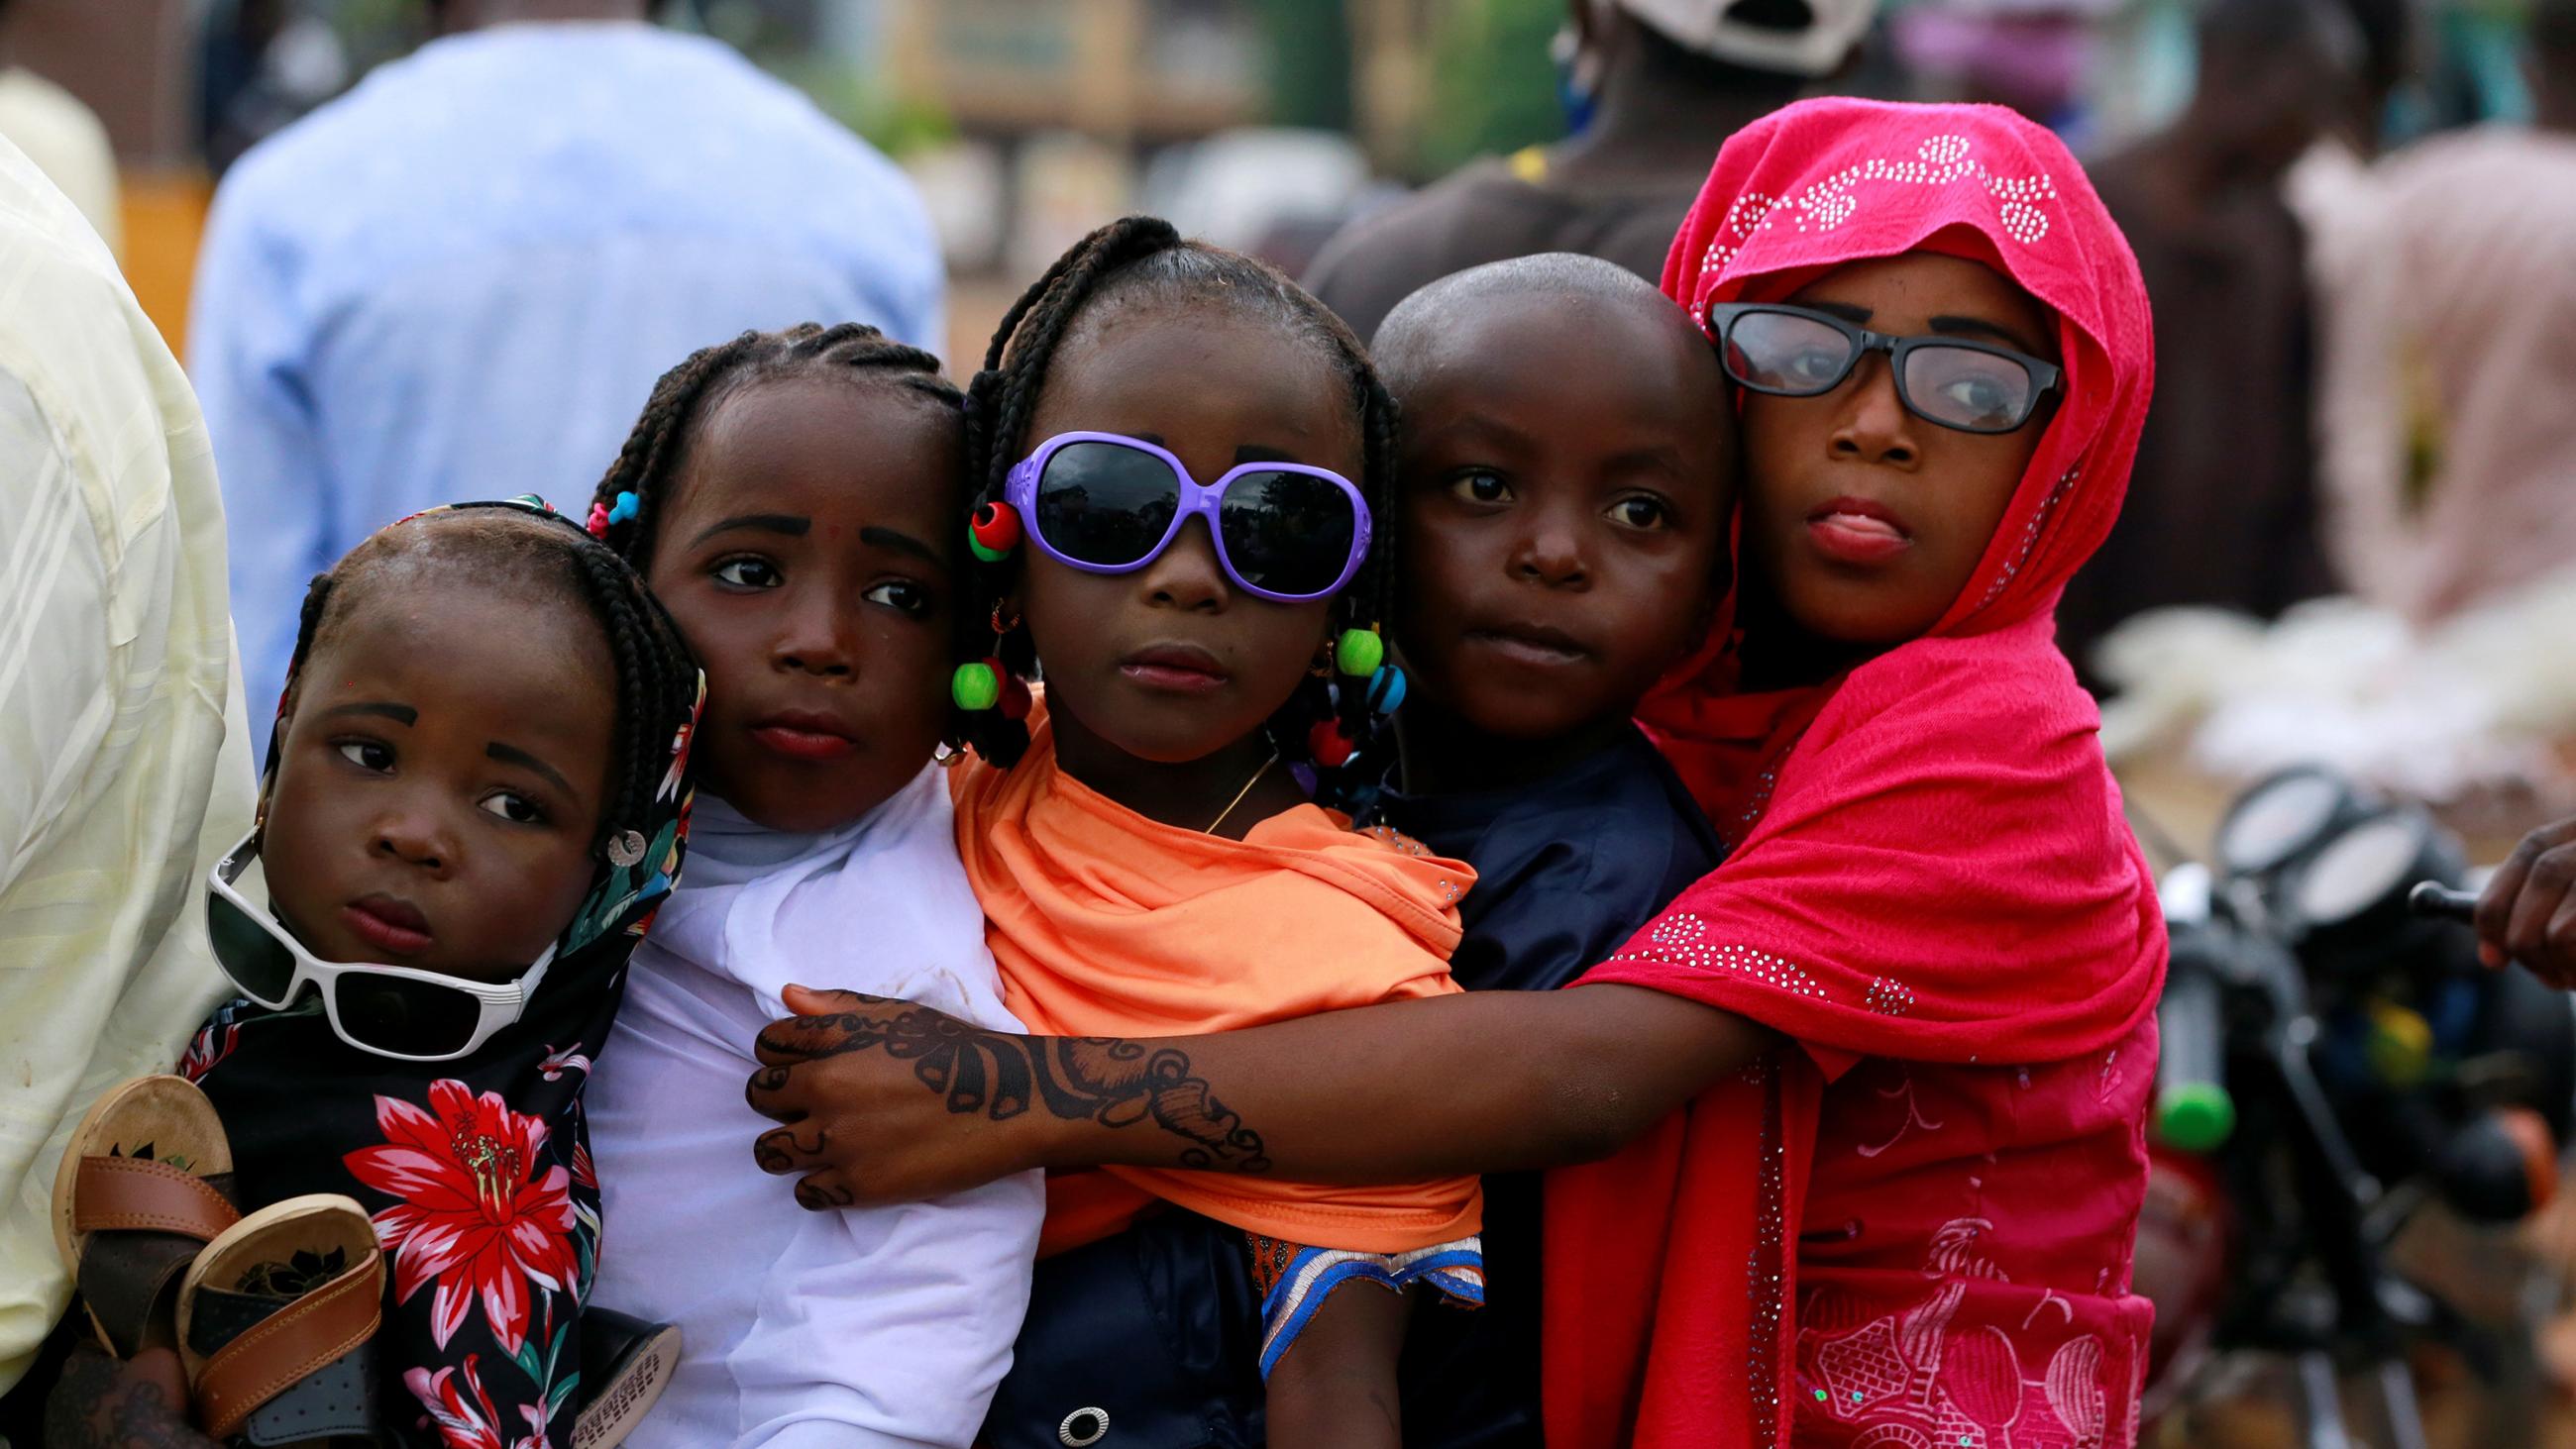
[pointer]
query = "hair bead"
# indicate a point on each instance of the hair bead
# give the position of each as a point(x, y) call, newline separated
point(977, 687)
point(994, 532)
point(1331, 746)
point(1360, 652)
point(1386, 690)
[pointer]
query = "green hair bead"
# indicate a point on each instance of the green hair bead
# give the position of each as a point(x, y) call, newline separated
point(1360, 652)
point(975, 687)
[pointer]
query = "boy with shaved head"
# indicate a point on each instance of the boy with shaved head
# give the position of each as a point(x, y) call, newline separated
point(1567, 481)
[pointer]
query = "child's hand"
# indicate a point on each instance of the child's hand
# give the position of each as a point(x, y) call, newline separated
point(886, 1101)
point(2528, 912)
point(102, 1404)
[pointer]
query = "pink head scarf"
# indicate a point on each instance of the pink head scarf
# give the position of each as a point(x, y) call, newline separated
point(1929, 858)
point(1825, 182)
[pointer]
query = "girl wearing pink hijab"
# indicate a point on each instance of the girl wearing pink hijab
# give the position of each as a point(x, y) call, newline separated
point(1908, 1023)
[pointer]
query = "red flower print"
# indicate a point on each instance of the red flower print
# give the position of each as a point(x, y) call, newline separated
point(458, 1406)
point(480, 1210)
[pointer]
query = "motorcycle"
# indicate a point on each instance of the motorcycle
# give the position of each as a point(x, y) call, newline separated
point(2334, 1062)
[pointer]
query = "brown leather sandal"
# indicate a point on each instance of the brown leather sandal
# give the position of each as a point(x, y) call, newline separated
point(277, 1321)
point(145, 1184)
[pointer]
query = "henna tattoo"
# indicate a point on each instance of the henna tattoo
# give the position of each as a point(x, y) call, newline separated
point(1108, 1080)
point(777, 1149)
point(814, 1196)
point(773, 1159)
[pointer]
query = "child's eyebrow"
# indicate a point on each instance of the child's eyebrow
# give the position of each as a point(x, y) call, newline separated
point(900, 542)
point(399, 713)
point(1485, 426)
point(1257, 453)
point(1980, 327)
point(513, 755)
point(1660, 457)
point(786, 523)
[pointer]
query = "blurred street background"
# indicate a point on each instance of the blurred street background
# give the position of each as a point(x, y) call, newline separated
point(1262, 124)
point(2351, 540)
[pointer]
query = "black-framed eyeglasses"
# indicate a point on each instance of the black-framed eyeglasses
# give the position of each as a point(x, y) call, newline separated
point(1974, 387)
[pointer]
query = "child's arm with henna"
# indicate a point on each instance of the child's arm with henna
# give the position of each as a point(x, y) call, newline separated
point(1481, 1082)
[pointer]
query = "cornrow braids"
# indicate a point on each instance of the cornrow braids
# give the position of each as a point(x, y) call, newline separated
point(1144, 257)
point(687, 394)
point(657, 676)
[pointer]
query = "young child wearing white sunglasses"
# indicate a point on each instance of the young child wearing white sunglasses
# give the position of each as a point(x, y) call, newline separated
point(476, 797)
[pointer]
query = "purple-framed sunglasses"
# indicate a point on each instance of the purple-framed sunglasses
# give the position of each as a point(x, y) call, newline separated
point(1106, 503)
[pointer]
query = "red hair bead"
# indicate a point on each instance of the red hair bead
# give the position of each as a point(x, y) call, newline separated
point(1331, 748)
point(996, 527)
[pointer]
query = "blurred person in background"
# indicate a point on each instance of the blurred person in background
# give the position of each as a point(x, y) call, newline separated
point(124, 771)
point(2333, 179)
point(461, 278)
point(64, 138)
point(2222, 508)
point(2449, 410)
point(1666, 81)
point(2390, 57)
point(261, 66)
point(2031, 56)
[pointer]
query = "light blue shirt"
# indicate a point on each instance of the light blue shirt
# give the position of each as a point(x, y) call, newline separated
point(461, 279)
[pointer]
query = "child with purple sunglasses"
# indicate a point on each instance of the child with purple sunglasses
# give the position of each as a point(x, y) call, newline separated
point(1184, 465)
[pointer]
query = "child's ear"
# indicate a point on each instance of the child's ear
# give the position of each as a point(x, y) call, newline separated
point(276, 750)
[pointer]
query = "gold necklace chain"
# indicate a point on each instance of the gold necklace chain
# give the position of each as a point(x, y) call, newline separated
point(1239, 794)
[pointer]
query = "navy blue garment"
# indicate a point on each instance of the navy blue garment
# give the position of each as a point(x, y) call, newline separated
point(1566, 871)
point(1159, 1327)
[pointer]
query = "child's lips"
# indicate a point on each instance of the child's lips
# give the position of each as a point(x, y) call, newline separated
point(389, 925)
point(800, 735)
point(1856, 531)
point(1175, 669)
point(1529, 645)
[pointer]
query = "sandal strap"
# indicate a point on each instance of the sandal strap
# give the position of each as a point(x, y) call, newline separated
point(281, 1349)
point(142, 1223)
point(137, 1194)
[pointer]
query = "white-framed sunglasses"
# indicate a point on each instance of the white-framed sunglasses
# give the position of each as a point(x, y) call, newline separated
point(390, 1011)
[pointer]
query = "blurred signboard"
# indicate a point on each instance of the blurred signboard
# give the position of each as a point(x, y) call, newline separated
point(1131, 70)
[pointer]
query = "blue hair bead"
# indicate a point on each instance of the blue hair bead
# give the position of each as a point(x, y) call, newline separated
point(627, 505)
point(1386, 690)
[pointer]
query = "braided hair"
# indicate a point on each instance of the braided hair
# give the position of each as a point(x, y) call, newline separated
point(688, 394)
point(1144, 258)
point(513, 546)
